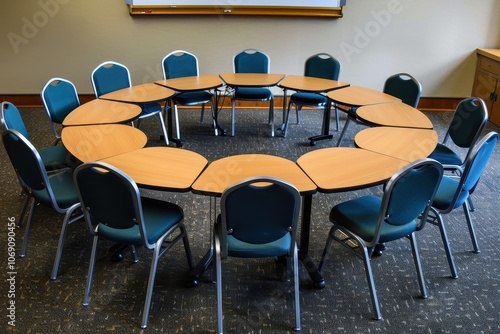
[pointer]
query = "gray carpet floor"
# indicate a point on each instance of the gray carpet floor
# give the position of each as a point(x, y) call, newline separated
point(255, 301)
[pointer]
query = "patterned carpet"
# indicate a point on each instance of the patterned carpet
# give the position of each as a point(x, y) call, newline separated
point(255, 301)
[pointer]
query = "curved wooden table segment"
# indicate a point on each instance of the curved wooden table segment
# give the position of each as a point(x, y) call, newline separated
point(403, 143)
point(310, 84)
point(144, 93)
point(96, 142)
point(102, 112)
point(163, 168)
point(223, 172)
point(192, 83)
point(251, 79)
point(337, 169)
point(394, 114)
point(357, 96)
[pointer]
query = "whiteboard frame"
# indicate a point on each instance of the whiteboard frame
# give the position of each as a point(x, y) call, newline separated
point(226, 10)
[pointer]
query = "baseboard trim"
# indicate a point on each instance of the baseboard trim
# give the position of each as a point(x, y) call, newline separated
point(426, 103)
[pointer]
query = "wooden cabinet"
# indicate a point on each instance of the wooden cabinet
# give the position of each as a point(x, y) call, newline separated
point(487, 81)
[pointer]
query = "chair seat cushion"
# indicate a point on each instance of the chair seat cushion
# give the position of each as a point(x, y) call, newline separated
point(57, 157)
point(360, 216)
point(446, 191)
point(309, 99)
point(252, 93)
point(63, 188)
point(238, 248)
point(446, 156)
point(159, 217)
point(149, 109)
point(192, 98)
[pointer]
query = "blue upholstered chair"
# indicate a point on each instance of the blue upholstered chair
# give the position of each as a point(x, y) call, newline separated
point(251, 61)
point(56, 191)
point(59, 97)
point(115, 210)
point(178, 64)
point(362, 223)
point(321, 65)
point(110, 76)
point(405, 87)
point(469, 120)
point(259, 218)
point(54, 158)
point(454, 192)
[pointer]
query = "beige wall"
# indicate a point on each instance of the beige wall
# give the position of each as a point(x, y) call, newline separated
point(433, 40)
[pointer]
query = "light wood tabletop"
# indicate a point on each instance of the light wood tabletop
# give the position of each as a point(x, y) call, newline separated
point(192, 83)
point(251, 79)
point(394, 114)
point(144, 93)
point(95, 142)
point(102, 112)
point(163, 168)
point(337, 169)
point(356, 96)
point(223, 172)
point(310, 84)
point(403, 143)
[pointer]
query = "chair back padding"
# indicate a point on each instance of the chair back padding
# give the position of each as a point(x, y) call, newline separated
point(251, 61)
point(11, 119)
point(108, 196)
point(110, 76)
point(405, 87)
point(468, 122)
point(59, 97)
point(259, 211)
point(25, 160)
point(178, 64)
point(409, 193)
point(322, 65)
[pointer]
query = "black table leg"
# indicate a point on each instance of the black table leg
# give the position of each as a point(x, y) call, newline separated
point(312, 269)
point(325, 133)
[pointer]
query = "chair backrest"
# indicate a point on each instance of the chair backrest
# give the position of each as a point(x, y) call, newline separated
point(322, 65)
point(474, 167)
point(251, 61)
point(112, 198)
point(178, 64)
point(108, 77)
point(260, 210)
point(27, 163)
point(469, 120)
point(11, 119)
point(405, 87)
point(408, 195)
point(59, 98)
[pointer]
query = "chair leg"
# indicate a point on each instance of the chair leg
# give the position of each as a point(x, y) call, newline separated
point(233, 105)
point(88, 284)
point(371, 284)
point(287, 118)
point(297, 113)
point(446, 243)
point(271, 116)
point(344, 129)
point(418, 264)
point(151, 282)
point(218, 269)
point(470, 225)
point(68, 220)
point(27, 232)
point(23, 210)
point(202, 116)
point(296, 287)
point(163, 129)
point(336, 116)
point(176, 117)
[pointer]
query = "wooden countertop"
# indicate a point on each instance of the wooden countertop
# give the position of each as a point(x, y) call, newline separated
point(490, 53)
